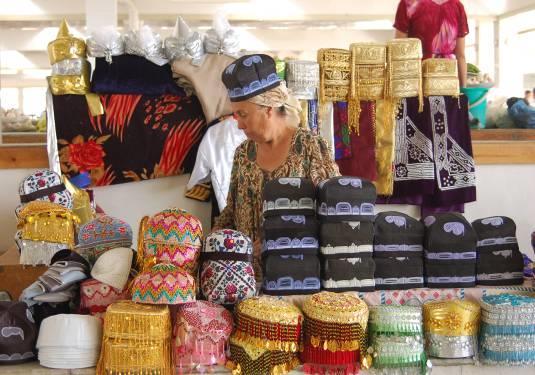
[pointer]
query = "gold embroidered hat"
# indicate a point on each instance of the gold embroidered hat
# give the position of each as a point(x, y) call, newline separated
point(136, 340)
point(48, 222)
point(268, 322)
point(335, 323)
point(405, 69)
point(440, 77)
point(65, 46)
point(70, 84)
point(335, 74)
point(451, 328)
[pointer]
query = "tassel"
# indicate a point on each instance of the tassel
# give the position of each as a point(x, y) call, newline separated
point(141, 243)
point(420, 92)
point(353, 115)
point(94, 104)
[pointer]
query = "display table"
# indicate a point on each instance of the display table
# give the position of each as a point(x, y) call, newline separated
point(422, 295)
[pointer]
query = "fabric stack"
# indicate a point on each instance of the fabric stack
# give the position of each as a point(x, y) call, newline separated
point(346, 209)
point(334, 334)
point(227, 275)
point(108, 283)
point(70, 68)
point(451, 328)
point(396, 339)
point(80, 348)
point(302, 78)
point(136, 340)
point(42, 185)
point(450, 251)
point(19, 332)
point(507, 334)
point(499, 261)
point(267, 336)
point(398, 251)
point(290, 238)
point(201, 334)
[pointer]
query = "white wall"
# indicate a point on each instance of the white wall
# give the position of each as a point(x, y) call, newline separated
point(502, 190)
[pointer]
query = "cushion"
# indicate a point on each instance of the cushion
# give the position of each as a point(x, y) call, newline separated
point(290, 234)
point(227, 274)
point(289, 196)
point(346, 199)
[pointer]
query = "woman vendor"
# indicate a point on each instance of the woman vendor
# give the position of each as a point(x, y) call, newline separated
point(275, 147)
point(441, 25)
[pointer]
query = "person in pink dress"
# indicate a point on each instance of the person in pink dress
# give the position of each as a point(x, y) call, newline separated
point(441, 25)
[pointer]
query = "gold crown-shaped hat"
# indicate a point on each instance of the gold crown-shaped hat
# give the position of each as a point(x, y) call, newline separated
point(65, 46)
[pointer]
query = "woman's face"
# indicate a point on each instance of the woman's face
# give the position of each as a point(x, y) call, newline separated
point(253, 119)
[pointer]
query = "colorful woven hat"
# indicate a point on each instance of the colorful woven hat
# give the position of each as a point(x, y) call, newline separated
point(102, 234)
point(201, 334)
point(45, 185)
point(346, 199)
point(227, 274)
point(289, 196)
point(49, 222)
point(507, 333)
point(451, 328)
point(141, 333)
point(249, 359)
point(18, 333)
point(268, 322)
point(396, 338)
point(174, 236)
point(164, 284)
point(335, 332)
point(95, 297)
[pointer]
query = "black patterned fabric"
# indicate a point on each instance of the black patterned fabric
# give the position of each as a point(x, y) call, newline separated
point(397, 235)
point(500, 267)
point(495, 233)
point(291, 274)
point(346, 239)
point(399, 273)
point(18, 333)
point(289, 196)
point(346, 198)
point(345, 274)
point(461, 275)
point(292, 234)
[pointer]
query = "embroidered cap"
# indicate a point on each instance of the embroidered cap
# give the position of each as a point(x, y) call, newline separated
point(17, 333)
point(249, 76)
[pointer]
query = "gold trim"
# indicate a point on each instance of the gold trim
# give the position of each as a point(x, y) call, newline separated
point(331, 307)
point(452, 318)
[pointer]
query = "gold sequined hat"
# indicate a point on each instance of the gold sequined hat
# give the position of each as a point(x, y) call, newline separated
point(441, 77)
point(65, 46)
point(136, 340)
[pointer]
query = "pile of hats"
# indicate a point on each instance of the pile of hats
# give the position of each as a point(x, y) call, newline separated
point(227, 275)
point(105, 242)
point(267, 336)
point(451, 328)
point(19, 332)
point(70, 68)
point(59, 283)
point(201, 333)
point(398, 251)
point(39, 243)
point(168, 257)
point(450, 251)
point(396, 339)
point(136, 340)
point(499, 261)
point(334, 334)
point(507, 333)
point(346, 209)
point(69, 341)
point(290, 238)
